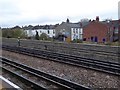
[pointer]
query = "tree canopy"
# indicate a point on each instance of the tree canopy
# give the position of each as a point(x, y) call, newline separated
point(13, 33)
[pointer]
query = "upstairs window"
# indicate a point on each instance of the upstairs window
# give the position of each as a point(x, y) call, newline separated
point(81, 31)
point(76, 30)
point(73, 30)
point(53, 31)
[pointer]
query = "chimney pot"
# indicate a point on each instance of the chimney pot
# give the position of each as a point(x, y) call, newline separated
point(97, 18)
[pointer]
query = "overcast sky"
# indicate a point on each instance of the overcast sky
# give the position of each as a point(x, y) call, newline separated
point(34, 12)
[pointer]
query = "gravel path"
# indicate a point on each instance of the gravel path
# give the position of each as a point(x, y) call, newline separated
point(90, 78)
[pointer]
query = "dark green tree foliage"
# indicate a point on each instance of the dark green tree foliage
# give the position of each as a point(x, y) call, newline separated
point(13, 32)
point(37, 36)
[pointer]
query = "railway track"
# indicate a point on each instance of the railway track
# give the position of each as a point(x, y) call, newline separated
point(65, 46)
point(40, 80)
point(104, 53)
point(73, 48)
point(102, 66)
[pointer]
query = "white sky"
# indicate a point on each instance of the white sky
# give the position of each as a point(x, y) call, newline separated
point(34, 12)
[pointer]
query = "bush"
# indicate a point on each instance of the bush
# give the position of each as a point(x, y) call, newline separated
point(77, 41)
point(43, 36)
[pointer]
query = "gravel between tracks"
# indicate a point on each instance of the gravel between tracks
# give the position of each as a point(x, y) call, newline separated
point(90, 78)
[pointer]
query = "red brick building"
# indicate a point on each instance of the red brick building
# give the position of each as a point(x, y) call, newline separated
point(97, 31)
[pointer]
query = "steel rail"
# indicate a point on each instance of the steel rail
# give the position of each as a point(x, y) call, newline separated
point(109, 67)
point(57, 80)
point(35, 86)
point(56, 44)
point(13, 64)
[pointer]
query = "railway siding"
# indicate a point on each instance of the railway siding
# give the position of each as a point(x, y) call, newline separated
point(86, 77)
point(69, 59)
point(62, 83)
point(107, 53)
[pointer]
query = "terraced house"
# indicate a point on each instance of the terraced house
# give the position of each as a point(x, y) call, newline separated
point(49, 30)
point(101, 31)
point(68, 31)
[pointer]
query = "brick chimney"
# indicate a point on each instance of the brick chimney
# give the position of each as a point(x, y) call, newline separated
point(67, 20)
point(97, 18)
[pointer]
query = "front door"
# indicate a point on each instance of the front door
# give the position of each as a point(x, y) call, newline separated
point(96, 39)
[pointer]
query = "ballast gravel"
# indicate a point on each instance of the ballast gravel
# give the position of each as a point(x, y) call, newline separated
point(83, 76)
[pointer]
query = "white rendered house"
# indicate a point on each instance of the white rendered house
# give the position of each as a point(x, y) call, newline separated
point(49, 32)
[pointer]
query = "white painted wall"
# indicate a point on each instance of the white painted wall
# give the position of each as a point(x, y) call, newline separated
point(76, 33)
point(40, 31)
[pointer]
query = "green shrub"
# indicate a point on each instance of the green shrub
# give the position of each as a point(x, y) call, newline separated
point(77, 41)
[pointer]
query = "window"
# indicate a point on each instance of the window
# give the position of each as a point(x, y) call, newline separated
point(76, 36)
point(116, 31)
point(53, 31)
point(63, 29)
point(76, 30)
point(103, 40)
point(84, 39)
point(73, 30)
point(80, 36)
point(92, 39)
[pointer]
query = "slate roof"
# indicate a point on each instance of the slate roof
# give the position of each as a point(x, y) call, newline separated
point(83, 24)
point(72, 25)
point(114, 23)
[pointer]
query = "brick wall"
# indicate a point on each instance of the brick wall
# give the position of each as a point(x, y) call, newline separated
point(96, 30)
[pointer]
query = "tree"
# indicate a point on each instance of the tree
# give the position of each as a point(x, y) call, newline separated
point(43, 36)
point(17, 33)
point(37, 36)
point(13, 33)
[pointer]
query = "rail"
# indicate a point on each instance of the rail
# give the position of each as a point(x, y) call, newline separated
point(103, 66)
point(69, 85)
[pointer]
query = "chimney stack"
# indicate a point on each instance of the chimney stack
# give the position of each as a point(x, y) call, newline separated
point(67, 20)
point(97, 18)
